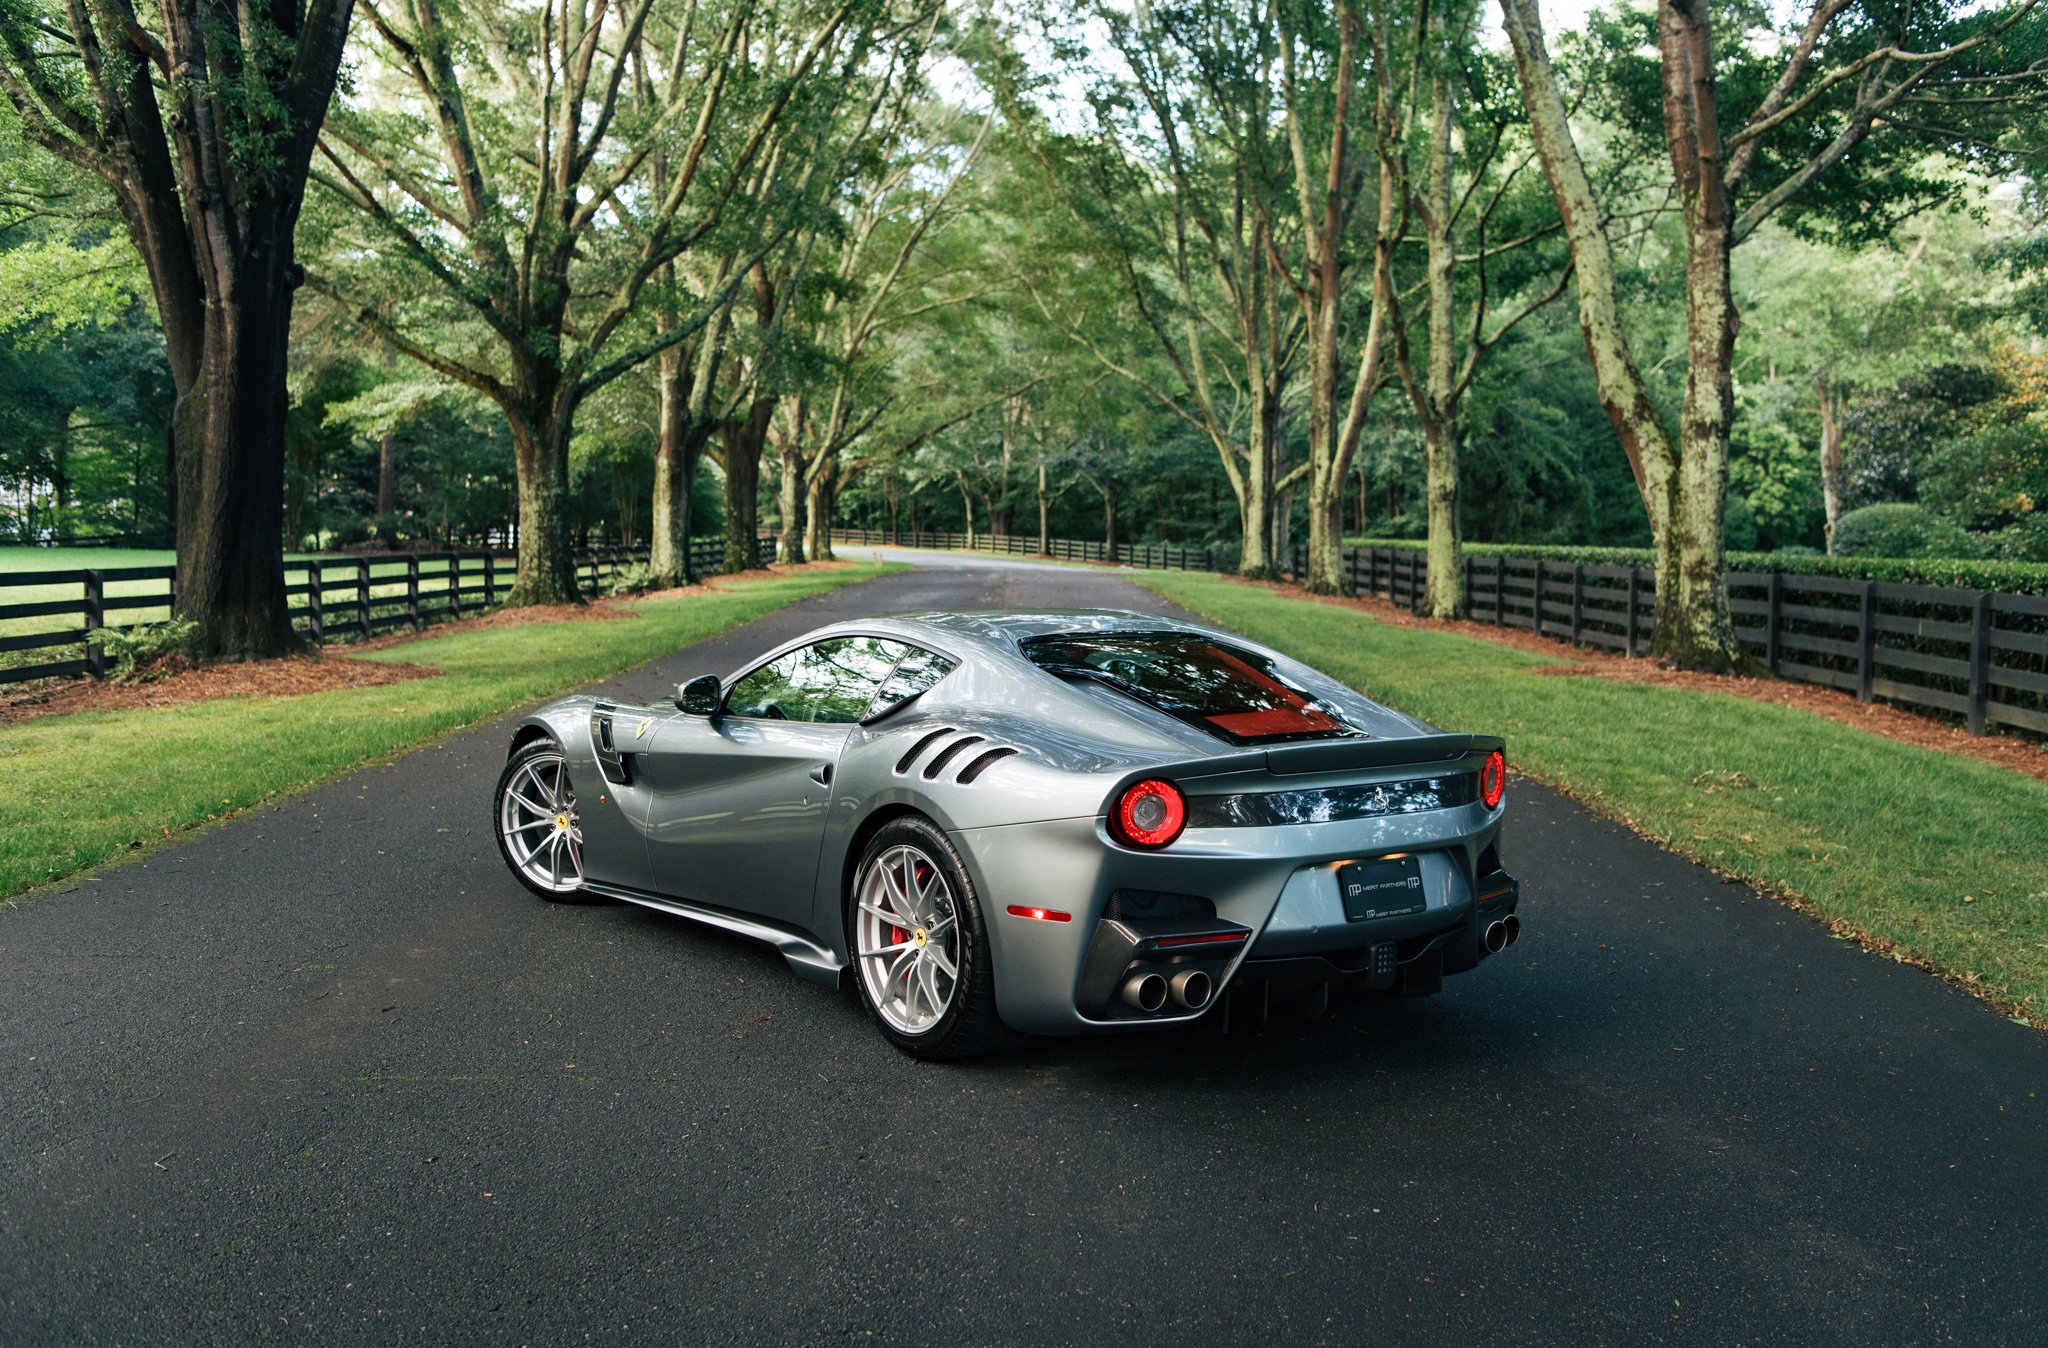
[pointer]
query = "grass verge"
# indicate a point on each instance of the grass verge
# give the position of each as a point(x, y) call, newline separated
point(1933, 857)
point(85, 789)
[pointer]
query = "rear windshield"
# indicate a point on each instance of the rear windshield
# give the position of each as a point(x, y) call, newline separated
point(1222, 689)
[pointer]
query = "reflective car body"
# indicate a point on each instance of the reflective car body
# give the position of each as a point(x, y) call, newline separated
point(999, 730)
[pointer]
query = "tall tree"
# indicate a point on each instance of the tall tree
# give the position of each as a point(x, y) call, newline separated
point(510, 246)
point(1181, 203)
point(1852, 71)
point(1482, 242)
point(201, 118)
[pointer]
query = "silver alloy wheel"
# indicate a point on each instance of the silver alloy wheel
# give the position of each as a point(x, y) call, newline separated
point(537, 819)
point(907, 939)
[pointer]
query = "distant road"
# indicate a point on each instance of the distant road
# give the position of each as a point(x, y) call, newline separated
point(328, 1075)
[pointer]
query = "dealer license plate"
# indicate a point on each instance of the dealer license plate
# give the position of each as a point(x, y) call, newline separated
point(1383, 887)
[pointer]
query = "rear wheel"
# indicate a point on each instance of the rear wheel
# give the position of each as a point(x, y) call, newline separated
point(538, 832)
point(920, 949)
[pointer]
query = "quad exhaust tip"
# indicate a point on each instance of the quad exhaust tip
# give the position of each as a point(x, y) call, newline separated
point(1192, 989)
point(1496, 937)
point(1146, 992)
point(1514, 928)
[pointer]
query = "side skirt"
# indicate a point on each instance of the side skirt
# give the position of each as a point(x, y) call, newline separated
point(810, 960)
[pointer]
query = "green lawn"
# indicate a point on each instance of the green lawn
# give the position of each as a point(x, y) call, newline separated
point(1944, 857)
point(86, 788)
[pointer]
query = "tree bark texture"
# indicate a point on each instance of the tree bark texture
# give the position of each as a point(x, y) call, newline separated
point(217, 243)
point(1831, 399)
point(1684, 502)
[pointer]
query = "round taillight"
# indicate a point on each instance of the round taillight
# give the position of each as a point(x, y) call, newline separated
point(1493, 779)
point(1150, 813)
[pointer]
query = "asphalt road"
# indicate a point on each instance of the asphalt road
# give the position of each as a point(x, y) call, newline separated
point(328, 1075)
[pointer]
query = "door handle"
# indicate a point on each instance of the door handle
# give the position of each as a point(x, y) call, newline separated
point(822, 774)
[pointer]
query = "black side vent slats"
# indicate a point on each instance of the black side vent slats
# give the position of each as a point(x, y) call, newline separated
point(981, 763)
point(903, 763)
point(951, 751)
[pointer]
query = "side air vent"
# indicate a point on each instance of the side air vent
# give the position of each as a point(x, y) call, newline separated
point(903, 764)
point(981, 764)
point(949, 753)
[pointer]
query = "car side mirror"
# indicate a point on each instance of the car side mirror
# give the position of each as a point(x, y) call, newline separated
point(700, 696)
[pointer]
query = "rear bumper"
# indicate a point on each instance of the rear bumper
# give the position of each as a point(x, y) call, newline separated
point(1278, 886)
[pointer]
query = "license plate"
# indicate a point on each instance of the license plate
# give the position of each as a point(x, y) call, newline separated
point(1384, 887)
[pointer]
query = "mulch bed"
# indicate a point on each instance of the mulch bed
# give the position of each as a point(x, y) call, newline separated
point(1894, 723)
point(292, 676)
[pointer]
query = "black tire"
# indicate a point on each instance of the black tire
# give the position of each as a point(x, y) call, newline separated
point(969, 1026)
point(534, 755)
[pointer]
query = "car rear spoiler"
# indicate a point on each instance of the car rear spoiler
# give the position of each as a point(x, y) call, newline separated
point(1342, 755)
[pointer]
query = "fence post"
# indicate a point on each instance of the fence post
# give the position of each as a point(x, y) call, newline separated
point(1500, 591)
point(314, 626)
point(1773, 620)
point(1418, 577)
point(1538, 615)
point(1635, 590)
point(1578, 599)
point(1866, 643)
point(412, 589)
point(95, 618)
point(363, 595)
point(1980, 662)
point(454, 560)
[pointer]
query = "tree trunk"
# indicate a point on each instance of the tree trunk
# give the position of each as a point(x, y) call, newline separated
point(1044, 517)
point(547, 566)
point(789, 499)
point(743, 484)
point(820, 498)
point(1255, 499)
point(1698, 631)
point(231, 467)
point(387, 475)
point(1444, 588)
point(1830, 455)
point(1687, 561)
point(675, 471)
point(1330, 440)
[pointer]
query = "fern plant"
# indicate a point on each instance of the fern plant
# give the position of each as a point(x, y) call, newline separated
point(138, 652)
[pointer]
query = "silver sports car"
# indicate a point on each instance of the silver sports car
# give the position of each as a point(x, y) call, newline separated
point(1032, 823)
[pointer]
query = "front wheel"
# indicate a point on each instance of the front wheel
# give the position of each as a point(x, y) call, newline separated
point(538, 832)
point(920, 949)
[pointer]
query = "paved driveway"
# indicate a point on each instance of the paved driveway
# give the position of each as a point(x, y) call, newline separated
point(328, 1075)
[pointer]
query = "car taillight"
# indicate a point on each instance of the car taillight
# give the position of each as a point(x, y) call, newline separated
point(1150, 813)
point(1493, 779)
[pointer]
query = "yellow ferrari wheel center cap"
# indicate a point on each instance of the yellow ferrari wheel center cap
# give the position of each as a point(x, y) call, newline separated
point(561, 821)
point(919, 936)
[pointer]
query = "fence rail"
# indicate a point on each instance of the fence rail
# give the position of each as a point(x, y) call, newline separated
point(330, 598)
point(1976, 654)
point(1149, 556)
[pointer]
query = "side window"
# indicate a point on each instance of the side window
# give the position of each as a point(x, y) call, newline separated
point(829, 681)
point(918, 670)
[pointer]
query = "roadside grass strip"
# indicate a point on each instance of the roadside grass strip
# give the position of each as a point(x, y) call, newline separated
point(1938, 859)
point(87, 788)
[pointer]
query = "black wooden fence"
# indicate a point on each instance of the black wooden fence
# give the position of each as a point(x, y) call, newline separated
point(1150, 556)
point(330, 598)
point(1979, 655)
